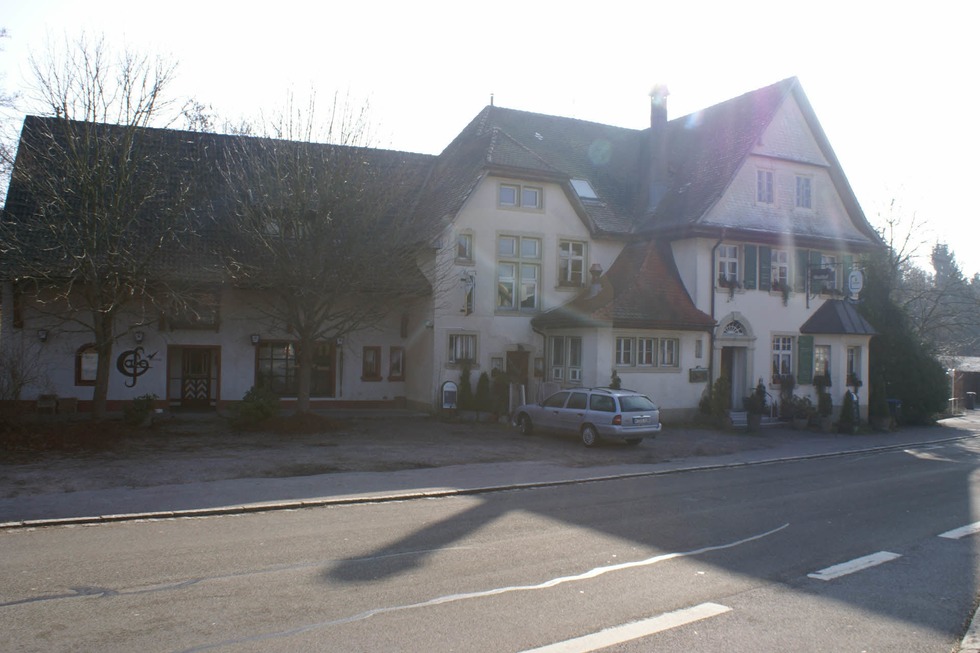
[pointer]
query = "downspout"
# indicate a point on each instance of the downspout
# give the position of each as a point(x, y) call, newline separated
point(711, 333)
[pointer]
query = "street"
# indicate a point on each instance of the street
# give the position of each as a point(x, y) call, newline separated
point(869, 552)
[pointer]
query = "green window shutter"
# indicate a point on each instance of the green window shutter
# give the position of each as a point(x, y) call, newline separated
point(765, 268)
point(749, 273)
point(815, 259)
point(802, 260)
point(804, 365)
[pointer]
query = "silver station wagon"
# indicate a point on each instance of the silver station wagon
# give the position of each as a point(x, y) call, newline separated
point(593, 414)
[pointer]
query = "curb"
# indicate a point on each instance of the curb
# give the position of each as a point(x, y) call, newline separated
point(437, 494)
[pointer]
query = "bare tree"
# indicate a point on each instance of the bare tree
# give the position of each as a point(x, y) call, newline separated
point(96, 199)
point(7, 140)
point(324, 230)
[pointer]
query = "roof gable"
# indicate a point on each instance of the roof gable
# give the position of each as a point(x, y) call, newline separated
point(641, 290)
point(837, 317)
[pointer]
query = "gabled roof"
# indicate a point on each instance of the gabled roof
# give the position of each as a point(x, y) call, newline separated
point(838, 317)
point(642, 290)
point(704, 151)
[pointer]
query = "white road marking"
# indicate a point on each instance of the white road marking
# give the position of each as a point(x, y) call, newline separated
point(957, 533)
point(635, 630)
point(452, 598)
point(859, 564)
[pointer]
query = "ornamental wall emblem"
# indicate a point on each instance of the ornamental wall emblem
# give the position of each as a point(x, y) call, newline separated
point(132, 364)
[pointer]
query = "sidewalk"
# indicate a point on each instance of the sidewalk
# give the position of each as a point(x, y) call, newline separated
point(235, 495)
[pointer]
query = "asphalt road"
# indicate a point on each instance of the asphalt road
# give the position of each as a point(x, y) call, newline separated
point(838, 554)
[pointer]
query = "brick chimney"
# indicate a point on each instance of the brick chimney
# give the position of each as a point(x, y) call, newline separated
point(658, 179)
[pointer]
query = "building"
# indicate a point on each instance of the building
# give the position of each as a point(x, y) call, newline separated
point(718, 244)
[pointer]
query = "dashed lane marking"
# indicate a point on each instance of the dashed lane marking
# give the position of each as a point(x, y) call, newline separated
point(858, 564)
point(635, 630)
point(963, 531)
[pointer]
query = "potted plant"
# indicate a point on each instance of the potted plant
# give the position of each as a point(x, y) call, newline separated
point(802, 410)
point(825, 403)
point(849, 414)
point(755, 406)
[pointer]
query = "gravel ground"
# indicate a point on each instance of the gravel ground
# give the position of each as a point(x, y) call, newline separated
point(190, 448)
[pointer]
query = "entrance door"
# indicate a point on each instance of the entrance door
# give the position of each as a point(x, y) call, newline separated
point(734, 368)
point(198, 377)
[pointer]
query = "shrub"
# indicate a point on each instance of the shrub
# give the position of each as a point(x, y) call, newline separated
point(721, 397)
point(484, 401)
point(755, 403)
point(137, 410)
point(258, 405)
point(465, 400)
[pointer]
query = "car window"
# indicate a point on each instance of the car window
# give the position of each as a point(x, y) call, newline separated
point(602, 403)
point(556, 400)
point(578, 400)
point(634, 403)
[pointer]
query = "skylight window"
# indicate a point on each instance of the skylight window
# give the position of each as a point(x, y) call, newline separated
point(584, 189)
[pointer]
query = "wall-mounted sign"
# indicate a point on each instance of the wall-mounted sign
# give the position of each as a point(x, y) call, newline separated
point(822, 274)
point(697, 375)
point(855, 283)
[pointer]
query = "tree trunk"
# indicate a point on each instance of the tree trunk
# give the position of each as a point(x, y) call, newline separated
point(304, 374)
point(103, 345)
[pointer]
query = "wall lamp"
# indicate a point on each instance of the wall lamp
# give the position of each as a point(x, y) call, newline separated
point(255, 338)
point(42, 335)
point(138, 337)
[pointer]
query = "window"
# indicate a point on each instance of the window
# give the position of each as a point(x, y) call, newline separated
point(780, 269)
point(584, 189)
point(571, 263)
point(371, 364)
point(624, 351)
point(556, 400)
point(821, 360)
point(647, 352)
point(603, 403)
point(853, 365)
point(578, 401)
point(86, 364)
point(517, 196)
point(763, 188)
point(464, 248)
point(782, 357)
point(699, 348)
point(277, 365)
point(462, 347)
point(468, 282)
point(565, 358)
point(803, 198)
point(829, 263)
point(396, 364)
point(518, 276)
point(727, 264)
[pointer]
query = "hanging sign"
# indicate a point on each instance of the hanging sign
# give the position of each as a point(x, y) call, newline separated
point(855, 283)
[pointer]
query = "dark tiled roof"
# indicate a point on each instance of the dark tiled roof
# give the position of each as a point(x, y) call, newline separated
point(204, 158)
point(838, 317)
point(642, 290)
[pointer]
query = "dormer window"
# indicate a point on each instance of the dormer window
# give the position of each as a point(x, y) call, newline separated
point(763, 187)
point(584, 189)
point(516, 196)
point(803, 195)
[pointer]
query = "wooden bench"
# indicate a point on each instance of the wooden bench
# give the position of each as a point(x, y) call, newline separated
point(47, 403)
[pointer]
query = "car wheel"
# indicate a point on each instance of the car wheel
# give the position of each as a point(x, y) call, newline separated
point(634, 441)
point(524, 424)
point(590, 437)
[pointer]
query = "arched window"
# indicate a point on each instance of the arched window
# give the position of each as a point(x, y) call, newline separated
point(734, 328)
point(86, 364)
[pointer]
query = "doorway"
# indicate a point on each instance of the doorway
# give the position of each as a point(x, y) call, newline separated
point(734, 367)
point(193, 373)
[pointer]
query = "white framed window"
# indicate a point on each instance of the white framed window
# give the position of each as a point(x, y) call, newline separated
point(513, 196)
point(727, 263)
point(782, 357)
point(518, 273)
point(828, 262)
point(571, 263)
point(584, 189)
point(763, 186)
point(565, 358)
point(464, 248)
point(803, 193)
point(821, 360)
point(780, 268)
point(647, 352)
point(668, 352)
point(853, 365)
point(462, 348)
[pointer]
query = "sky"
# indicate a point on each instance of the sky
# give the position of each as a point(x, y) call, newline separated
point(894, 86)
